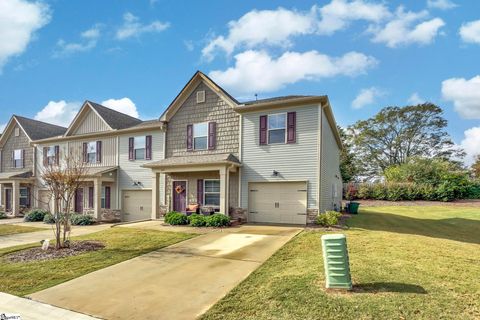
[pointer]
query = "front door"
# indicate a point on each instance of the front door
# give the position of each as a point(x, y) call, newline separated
point(79, 201)
point(179, 196)
point(8, 200)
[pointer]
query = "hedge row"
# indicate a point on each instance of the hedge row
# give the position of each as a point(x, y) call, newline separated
point(394, 191)
point(197, 220)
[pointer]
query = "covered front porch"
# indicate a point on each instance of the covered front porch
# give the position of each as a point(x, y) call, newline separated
point(209, 182)
point(16, 192)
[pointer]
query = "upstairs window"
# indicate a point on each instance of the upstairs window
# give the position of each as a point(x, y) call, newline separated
point(139, 145)
point(92, 152)
point(211, 192)
point(200, 136)
point(51, 160)
point(277, 128)
point(18, 158)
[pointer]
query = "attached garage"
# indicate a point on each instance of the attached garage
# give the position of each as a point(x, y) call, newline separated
point(278, 202)
point(137, 205)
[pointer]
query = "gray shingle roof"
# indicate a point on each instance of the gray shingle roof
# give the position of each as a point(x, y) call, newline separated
point(37, 130)
point(279, 99)
point(116, 120)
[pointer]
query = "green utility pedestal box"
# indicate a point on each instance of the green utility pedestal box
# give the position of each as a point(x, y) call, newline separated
point(335, 259)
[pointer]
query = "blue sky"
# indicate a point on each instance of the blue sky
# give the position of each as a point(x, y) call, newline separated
point(135, 56)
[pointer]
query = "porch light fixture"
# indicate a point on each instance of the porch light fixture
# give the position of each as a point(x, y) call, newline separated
point(137, 183)
point(275, 173)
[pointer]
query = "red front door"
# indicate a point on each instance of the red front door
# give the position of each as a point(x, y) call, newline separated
point(179, 196)
point(79, 201)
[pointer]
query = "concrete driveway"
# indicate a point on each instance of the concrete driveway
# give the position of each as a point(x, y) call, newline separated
point(178, 282)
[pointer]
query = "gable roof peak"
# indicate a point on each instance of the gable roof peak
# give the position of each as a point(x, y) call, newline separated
point(115, 119)
point(37, 130)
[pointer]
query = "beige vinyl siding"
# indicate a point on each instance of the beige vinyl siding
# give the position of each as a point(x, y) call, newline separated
point(13, 143)
point(109, 150)
point(91, 123)
point(294, 162)
point(131, 171)
point(39, 156)
point(330, 169)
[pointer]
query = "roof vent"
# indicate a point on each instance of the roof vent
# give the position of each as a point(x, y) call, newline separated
point(201, 96)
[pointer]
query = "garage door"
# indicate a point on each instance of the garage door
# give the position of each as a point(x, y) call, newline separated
point(278, 202)
point(137, 205)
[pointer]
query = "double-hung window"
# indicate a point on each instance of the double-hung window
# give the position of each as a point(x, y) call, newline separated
point(18, 158)
point(211, 192)
point(51, 155)
point(92, 152)
point(200, 136)
point(277, 128)
point(24, 197)
point(139, 144)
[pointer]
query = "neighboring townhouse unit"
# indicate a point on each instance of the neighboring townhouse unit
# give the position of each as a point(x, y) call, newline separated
point(17, 162)
point(272, 160)
point(113, 147)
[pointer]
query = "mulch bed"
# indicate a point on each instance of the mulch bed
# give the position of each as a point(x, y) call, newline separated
point(382, 203)
point(37, 254)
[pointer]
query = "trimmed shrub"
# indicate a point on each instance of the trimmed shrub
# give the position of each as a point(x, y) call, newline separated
point(197, 220)
point(35, 215)
point(217, 220)
point(78, 219)
point(48, 218)
point(176, 218)
point(328, 219)
point(3, 215)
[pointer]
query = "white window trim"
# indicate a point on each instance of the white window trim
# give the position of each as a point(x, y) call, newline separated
point(20, 193)
point(51, 157)
point(205, 193)
point(194, 136)
point(88, 153)
point(285, 128)
point(144, 148)
point(15, 159)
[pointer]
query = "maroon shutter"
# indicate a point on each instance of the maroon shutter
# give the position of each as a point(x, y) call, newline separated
point(190, 137)
point(85, 155)
point(148, 148)
point(263, 129)
point(23, 158)
point(45, 154)
point(57, 155)
point(107, 197)
point(99, 151)
point(291, 127)
point(131, 149)
point(212, 135)
point(200, 191)
point(90, 197)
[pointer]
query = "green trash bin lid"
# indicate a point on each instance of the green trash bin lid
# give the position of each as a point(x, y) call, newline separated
point(335, 236)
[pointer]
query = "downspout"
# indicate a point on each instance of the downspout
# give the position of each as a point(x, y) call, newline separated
point(320, 157)
point(119, 205)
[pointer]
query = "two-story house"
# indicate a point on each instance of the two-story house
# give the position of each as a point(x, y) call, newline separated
point(17, 162)
point(113, 146)
point(273, 160)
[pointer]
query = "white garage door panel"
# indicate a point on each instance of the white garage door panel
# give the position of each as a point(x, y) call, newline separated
point(278, 202)
point(137, 205)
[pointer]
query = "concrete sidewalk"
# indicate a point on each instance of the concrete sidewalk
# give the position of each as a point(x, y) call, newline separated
point(33, 310)
point(36, 236)
point(178, 282)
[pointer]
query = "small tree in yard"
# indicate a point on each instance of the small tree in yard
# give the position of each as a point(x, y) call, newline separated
point(62, 178)
point(476, 167)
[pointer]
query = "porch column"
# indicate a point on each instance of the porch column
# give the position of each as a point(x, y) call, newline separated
point(224, 183)
point(2, 196)
point(97, 197)
point(15, 198)
point(155, 196)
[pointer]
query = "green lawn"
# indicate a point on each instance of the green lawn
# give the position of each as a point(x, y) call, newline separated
point(12, 229)
point(406, 263)
point(121, 244)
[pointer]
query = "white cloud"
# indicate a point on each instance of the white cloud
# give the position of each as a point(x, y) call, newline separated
point(471, 144)
point(415, 99)
point(407, 28)
point(89, 39)
point(124, 105)
point(366, 97)
point(133, 28)
point(470, 31)
point(338, 14)
point(441, 4)
point(59, 112)
point(2, 127)
point(278, 27)
point(19, 20)
point(257, 71)
point(465, 95)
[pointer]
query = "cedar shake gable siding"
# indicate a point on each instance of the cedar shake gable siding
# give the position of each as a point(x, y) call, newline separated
point(214, 109)
point(12, 143)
